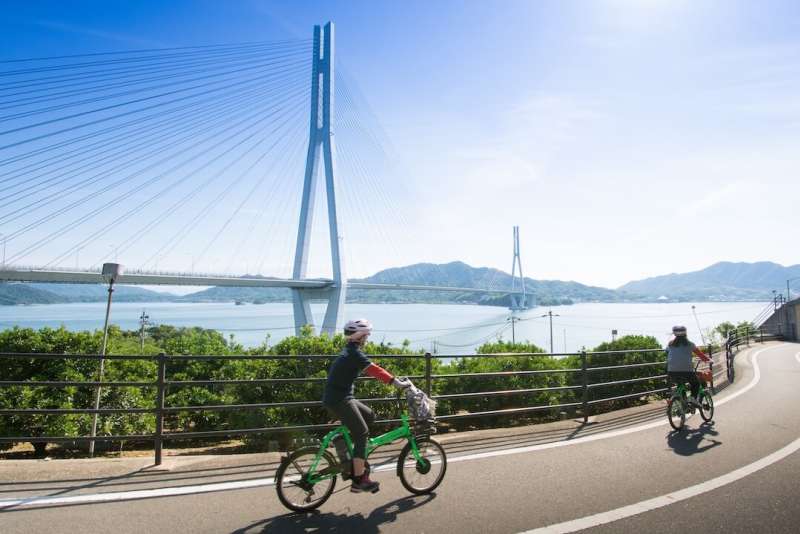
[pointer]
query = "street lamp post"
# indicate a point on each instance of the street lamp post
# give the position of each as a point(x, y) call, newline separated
point(550, 314)
point(111, 271)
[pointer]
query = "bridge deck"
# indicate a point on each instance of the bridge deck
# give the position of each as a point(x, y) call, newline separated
point(87, 277)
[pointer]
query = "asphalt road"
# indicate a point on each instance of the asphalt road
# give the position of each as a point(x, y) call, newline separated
point(515, 484)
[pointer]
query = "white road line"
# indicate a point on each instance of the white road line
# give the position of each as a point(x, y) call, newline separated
point(138, 494)
point(680, 495)
point(223, 486)
point(669, 498)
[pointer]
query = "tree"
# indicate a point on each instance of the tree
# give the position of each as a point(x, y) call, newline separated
point(725, 328)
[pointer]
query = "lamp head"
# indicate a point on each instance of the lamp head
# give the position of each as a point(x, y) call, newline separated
point(112, 271)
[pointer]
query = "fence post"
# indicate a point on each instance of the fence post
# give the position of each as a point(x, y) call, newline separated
point(761, 331)
point(585, 387)
point(162, 373)
point(428, 358)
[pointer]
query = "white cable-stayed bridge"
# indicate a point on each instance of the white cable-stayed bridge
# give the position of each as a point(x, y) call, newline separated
point(163, 157)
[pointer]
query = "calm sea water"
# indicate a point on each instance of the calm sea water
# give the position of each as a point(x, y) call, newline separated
point(450, 329)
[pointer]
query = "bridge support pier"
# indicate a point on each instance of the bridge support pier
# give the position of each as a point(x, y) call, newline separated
point(320, 143)
point(302, 298)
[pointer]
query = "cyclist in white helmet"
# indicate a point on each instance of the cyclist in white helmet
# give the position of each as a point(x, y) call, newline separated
point(339, 400)
point(679, 361)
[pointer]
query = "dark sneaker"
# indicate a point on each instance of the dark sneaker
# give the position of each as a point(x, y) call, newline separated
point(364, 484)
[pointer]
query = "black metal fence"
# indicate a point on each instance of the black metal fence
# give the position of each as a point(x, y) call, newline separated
point(582, 391)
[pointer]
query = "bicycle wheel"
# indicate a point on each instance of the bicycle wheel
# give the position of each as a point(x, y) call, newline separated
point(294, 490)
point(706, 406)
point(424, 476)
point(676, 412)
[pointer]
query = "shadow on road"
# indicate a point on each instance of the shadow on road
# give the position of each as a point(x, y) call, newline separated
point(687, 442)
point(319, 522)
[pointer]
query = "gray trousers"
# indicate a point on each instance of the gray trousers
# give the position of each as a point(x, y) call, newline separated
point(357, 417)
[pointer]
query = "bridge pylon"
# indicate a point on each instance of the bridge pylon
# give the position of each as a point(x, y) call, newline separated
point(518, 302)
point(320, 143)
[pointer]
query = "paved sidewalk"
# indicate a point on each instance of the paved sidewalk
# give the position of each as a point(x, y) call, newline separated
point(29, 477)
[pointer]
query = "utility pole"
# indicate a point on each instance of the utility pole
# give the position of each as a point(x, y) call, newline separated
point(513, 320)
point(550, 314)
point(144, 320)
point(565, 340)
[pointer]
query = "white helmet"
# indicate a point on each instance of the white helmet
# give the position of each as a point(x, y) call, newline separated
point(357, 325)
point(679, 330)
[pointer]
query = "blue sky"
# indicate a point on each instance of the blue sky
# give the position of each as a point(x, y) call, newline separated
point(626, 138)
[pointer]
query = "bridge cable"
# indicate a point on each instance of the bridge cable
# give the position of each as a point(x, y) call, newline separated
point(130, 150)
point(177, 237)
point(172, 210)
point(158, 74)
point(104, 73)
point(92, 180)
point(141, 50)
point(137, 123)
point(65, 66)
point(118, 199)
point(284, 177)
point(201, 86)
point(203, 92)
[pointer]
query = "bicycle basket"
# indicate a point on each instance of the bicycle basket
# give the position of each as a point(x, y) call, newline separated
point(421, 408)
point(704, 376)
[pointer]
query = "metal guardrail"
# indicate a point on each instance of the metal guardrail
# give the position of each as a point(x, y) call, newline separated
point(581, 382)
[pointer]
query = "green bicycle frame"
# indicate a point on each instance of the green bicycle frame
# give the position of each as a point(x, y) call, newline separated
point(680, 391)
point(402, 432)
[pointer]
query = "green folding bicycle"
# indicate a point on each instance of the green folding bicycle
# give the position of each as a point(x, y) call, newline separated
point(306, 478)
point(679, 403)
